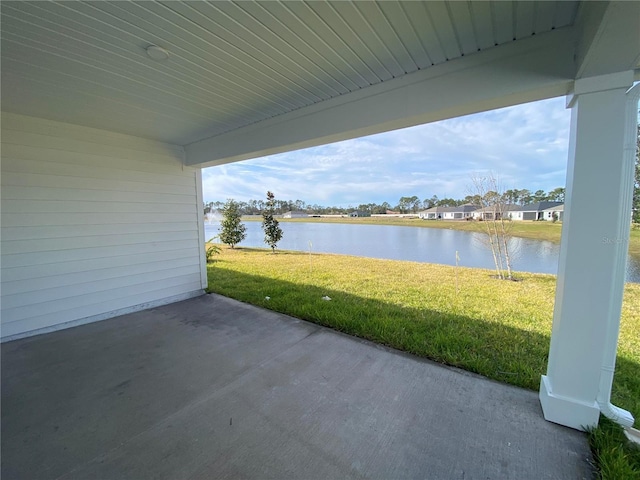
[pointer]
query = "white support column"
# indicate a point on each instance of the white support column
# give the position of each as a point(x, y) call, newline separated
point(201, 238)
point(593, 252)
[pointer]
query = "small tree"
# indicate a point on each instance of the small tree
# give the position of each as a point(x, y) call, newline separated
point(496, 221)
point(232, 231)
point(271, 226)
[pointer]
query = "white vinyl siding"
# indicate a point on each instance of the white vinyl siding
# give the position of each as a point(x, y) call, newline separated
point(93, 224)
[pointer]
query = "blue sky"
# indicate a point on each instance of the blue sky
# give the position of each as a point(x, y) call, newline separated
point(524, 146)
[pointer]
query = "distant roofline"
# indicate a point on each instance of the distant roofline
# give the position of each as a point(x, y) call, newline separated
point(558, 208)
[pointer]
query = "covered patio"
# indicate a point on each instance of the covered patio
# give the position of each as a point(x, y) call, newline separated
point(213, 388)
point(111, 109)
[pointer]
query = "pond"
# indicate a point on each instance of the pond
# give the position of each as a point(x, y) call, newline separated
point(429, 245)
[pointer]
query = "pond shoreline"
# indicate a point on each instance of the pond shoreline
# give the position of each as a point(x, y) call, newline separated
point(547, 231)
point(446, 243)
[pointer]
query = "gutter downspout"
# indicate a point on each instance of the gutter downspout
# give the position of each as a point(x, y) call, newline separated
point(617, 414)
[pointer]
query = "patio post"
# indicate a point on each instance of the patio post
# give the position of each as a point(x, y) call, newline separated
point(593, 251)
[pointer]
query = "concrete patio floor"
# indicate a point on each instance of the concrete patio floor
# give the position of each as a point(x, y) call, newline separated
point(213, 388)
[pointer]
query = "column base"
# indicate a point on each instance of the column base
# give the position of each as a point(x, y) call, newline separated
point(566, 411)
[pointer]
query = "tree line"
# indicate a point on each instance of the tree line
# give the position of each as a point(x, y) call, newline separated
point(407, 204)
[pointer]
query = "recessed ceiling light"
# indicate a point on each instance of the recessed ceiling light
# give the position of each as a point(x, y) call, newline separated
point(157, 53)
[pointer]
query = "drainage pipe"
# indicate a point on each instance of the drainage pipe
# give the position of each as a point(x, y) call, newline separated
point(610, 411)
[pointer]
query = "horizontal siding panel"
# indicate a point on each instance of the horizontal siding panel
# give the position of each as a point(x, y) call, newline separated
point(60, 181)
point(43, 320)
point(152, 231)
point(87, 291)
point(44, 153)
point(34, 284)
point(9, 192)
point(19, 165)
point(157, 246)
point(33, 219)
point(61, 207)
point(61, 304)
point(73, 243)
point(57, 271)
point(15, 140)
point(22, 123)
point(92, 224)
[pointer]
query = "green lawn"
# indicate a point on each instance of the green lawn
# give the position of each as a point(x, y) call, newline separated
point(456, 316)
point(634, 242)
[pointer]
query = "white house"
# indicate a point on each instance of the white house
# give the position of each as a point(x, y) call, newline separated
point(359, 213)
point(548, 213)
point(110, 110)
point(295, 214)
point(498, 211)
point(535, 211)
point(461, 212)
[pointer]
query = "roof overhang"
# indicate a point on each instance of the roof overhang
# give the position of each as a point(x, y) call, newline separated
point(524, 71)
point(246, 79)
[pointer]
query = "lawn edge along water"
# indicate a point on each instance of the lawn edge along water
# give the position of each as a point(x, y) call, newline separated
point(452, 315)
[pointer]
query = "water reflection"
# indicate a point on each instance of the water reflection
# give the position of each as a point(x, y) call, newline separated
point(430, 245)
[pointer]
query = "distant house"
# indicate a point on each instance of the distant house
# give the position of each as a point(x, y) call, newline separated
point(558, 211)
point(534, 211)
point(296, 214)
point(429, 214)
point(461, 212)
point(359, 213)
point(495, 211)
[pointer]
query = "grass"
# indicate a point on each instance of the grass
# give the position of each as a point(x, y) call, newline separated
point(454, 316)
point(634, 241)
point(614, 461)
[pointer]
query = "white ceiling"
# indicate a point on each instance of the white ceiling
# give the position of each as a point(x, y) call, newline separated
point(251, 78)
point(235, 64)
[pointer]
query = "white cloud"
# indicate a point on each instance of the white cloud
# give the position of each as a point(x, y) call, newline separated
point(525, 145)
